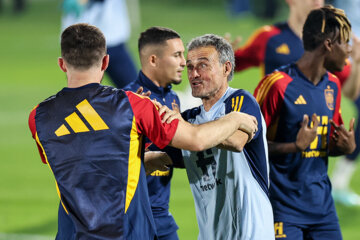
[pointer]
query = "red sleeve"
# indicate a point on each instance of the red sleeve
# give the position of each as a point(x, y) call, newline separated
point(253, 52)
point(345, 73)
point(337, 111)
point(270, 95)
point(32, 126)
point(148, 121)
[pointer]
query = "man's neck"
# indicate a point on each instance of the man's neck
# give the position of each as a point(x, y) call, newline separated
point(81, 78)
point(311, 64)
point(153, 77)
point(296, 23)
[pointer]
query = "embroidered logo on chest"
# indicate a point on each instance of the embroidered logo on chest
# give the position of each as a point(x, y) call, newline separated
point(329, 97)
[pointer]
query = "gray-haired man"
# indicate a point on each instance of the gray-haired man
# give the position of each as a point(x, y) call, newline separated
point(229, 182)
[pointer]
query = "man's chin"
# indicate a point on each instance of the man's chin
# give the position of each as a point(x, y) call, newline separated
point(197, 94)
point(333, 69)
point(340, 68)
point(177, 81)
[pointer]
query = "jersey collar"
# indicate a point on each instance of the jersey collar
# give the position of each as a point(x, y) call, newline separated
point(148, 84)
point(82, 87)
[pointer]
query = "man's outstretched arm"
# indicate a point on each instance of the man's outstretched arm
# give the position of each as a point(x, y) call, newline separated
point(200, 137)
point(235, 142)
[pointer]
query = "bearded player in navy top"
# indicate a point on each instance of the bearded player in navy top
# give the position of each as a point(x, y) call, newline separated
point(300, 189)
point(162, 62)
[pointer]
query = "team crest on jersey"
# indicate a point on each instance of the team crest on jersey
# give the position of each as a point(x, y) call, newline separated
point(329, 97)
point(283, 49)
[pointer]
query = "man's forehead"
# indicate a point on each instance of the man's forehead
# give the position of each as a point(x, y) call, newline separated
point(201, 53)
point(174, 43)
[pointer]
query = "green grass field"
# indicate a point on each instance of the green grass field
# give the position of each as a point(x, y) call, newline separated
point(29, 47)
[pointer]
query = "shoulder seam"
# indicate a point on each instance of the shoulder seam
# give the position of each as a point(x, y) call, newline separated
point(267, 83)
point(262, 30)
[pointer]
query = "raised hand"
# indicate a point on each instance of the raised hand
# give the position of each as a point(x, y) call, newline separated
point(140, 91)
point(166, 114)
point(342, 139)
point(306, 134)
point(234, 44)
point(355, 53)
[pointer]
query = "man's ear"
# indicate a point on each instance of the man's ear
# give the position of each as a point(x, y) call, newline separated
point(227, 68)
point(328, 44)
point(105, 62)
point(62, 64)
point(152, 60)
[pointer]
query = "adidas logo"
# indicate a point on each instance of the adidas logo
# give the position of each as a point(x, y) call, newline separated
point(300, 100)
point(283, 49)
point(77, 124)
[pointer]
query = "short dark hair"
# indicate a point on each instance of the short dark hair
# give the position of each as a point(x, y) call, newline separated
point(82, 45)
point(156, 35)
point(323, 23)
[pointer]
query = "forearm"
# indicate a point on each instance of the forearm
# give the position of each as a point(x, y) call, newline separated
point(276, 148)
point(207, 135)
point(235, 142)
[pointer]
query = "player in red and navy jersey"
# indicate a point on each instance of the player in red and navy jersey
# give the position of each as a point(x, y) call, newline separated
point(91, 136)
point(271, 47)
point(300, 189)
point(162, 60)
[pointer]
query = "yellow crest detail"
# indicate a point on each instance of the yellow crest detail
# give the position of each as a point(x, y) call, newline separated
point(329, 97)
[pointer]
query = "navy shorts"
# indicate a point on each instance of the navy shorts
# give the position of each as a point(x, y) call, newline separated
point(291, 231)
